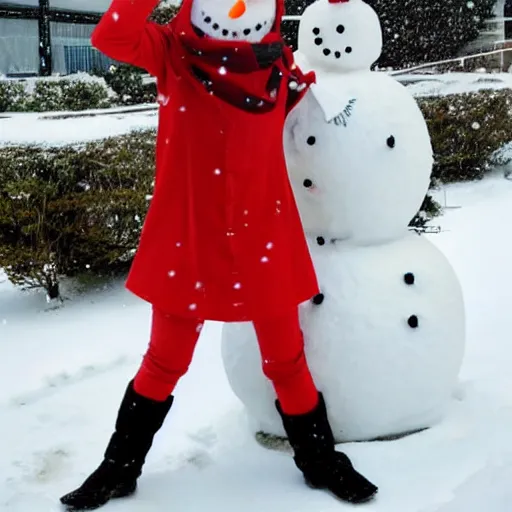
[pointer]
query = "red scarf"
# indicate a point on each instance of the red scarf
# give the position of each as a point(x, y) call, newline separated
point(244, 74)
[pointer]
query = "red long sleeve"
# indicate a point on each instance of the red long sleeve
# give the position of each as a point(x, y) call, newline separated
point(125, 34)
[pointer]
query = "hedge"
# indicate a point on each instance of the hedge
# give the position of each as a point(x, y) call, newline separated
point(75, 210)
point(72, 94)
point(71, 210)
point(467, 130)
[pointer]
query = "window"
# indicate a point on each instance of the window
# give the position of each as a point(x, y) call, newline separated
point(72, 50)
point(19, 47)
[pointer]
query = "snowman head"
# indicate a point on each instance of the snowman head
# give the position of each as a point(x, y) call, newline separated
point(340, 35)
point(234, 20)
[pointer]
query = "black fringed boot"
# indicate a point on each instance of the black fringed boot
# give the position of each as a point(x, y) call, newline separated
point(138, 420)
point(315, 455)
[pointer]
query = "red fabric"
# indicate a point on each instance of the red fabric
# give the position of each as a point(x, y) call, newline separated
point(172, 344)
point(222, 239)
point(171, 348)
point(240, 77)
point(284, 363)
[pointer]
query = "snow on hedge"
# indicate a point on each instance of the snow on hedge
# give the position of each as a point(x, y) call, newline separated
point(53, 130)
point(453, 83)
point(62, 128)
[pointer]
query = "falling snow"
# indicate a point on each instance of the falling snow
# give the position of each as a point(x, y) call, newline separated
point(163, 99)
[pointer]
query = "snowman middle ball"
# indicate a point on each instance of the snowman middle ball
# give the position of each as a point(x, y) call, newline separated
point(363, 175)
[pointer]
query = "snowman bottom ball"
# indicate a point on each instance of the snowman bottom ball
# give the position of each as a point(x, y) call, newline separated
point(385, 346)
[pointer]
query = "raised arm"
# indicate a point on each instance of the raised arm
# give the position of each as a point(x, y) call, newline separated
point(125, 34)
point(298, 82)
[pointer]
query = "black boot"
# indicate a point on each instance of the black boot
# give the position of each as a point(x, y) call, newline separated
point(315, 455)
point(137, 422)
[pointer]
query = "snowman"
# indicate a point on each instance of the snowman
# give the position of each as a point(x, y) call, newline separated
point(385, 338)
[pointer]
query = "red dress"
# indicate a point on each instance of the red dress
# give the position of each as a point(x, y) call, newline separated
point(223, 238)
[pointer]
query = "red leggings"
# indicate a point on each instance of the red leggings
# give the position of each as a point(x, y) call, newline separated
point(172, 344)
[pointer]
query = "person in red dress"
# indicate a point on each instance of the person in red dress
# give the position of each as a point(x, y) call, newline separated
point(222, 239)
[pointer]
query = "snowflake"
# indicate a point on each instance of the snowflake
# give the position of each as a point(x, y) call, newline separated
point(163, 99)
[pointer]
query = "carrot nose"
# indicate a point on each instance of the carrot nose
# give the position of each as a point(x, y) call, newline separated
point(237, 10)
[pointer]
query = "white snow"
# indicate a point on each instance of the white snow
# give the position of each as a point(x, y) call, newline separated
point(380, 375)
point(365, 199)
point(53, 130)
point(453, 83)
point(29, 83)
point(62, 373)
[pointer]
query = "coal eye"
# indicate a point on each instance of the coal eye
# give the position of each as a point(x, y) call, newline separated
point(340, 29)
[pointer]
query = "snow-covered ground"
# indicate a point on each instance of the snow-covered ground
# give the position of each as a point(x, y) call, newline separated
point(452, 83)
point(49, 130)
point(62, 373)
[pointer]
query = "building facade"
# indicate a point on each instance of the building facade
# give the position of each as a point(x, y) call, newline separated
point(44, 37)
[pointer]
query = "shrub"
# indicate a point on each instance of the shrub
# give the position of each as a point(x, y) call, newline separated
point(70, 210)
point(466, 131)
point(127, 82)
point(428, 211)
point(73, 209)
point(53, 95)
point(163, 14)
point(12, 96)
point(418, 31)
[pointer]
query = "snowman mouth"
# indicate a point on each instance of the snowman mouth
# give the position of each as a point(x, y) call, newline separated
point(318, 40)
point(212, 28)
